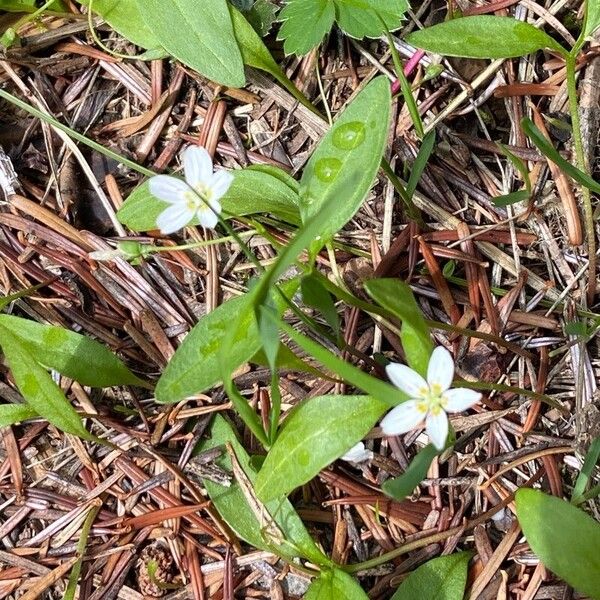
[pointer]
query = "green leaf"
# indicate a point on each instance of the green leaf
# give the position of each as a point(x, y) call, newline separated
point(397, 297)
point(592, 20)
point(255, 54)
point(483, 36)
point(518, 164)
point(420, 163)
point(125, 17)
point(38, 388)
point(201, 39)
point(71, 354)
point(548, 150)
point(15, 413)
point(362, 18)
point(512, 198)
point(401, 487)
point(252, 191)
point(316, 296)
point(565, 539)
point(354, 145)
point(442, 578)
point(335, 584)
point(591, 459)
point(235, 511)
point(305, 24)
point(262, 16)
point(317, 432)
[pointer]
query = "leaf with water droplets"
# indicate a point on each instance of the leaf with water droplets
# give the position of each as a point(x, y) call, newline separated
point(344, 165)
point(317, 431)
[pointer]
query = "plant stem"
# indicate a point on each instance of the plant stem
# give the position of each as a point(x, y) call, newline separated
point(582, 164)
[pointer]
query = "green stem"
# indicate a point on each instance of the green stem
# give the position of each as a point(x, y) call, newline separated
point(582, 164)
point(411, 210)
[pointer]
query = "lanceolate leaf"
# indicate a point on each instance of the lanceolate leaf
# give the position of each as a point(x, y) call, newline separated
point(397, 297)
point(15, 413)
point(401, 487)
point(252, 192)
point(353, 146)
point(38, 388)
point(442, 578)
point(335, 584)
point(71, 354)
point(317, 432)
point(201, 38)
point(233, 506)
point(565, 539)
point(124, 16)
point(483, 36)
point(592, 17)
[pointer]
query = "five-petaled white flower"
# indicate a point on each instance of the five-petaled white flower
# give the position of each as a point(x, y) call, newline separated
point(197, 196)
point(357, 454)
point(430, 401)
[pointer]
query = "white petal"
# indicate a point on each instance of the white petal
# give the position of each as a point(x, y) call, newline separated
point(167, 188)
point(407, 380)
point(460, 399)
point(441, 369)
point(206, 217)
point(101, 255)
point(219, 184)
point(357, 454)
point(437, 429)
point(197, 166)
point(402, 418)
point(173, 218)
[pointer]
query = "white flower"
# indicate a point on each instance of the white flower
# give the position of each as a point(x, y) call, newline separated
point(357, 454)
point(430, 401)
point(197, 196)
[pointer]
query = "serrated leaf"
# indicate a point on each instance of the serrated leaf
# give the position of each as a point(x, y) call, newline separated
point(317, 432)
point(344, 165)
point(401, 487)
point(71, 354)
point(305, 24)
point(565, 539)
point(252, 192)
point(335, 584)
point(201, 39)
point(262, 16)
point(362, 18)
point(15, 413)
point(483, 36)
point(235, 511)
point(38, 388)
point(442, 578)
point(397, 297)
point(124, 17)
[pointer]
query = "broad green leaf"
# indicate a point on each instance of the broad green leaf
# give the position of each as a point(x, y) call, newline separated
point(71, 354)
point(280, 174)
point(317, 432)
point(18, 5)
point(512, 198)
point(397, 297)
point(591, 459)
point(565, 539)
point(15, 413)
point(362, 18)
point(125, 17)
point(335, 584)
point(305, 24)
point(196, 367)
point(201, 38)
point(442, 578)
point(38, 388)
point(483, 36)
point(401, 487)
point(252, 191)
point(548, 150)
point(353, 146)
point(233, 506)
point(316, 296)
point(255, 54)
point(592, 21)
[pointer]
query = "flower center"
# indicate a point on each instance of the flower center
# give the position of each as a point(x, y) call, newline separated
point(198, 199)
point(432, 400)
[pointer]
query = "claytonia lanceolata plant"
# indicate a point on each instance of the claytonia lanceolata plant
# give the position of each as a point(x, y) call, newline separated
point(430, 401)
point(197, 196)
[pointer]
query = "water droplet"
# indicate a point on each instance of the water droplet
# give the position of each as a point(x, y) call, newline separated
point(327, 169)
point(303, 457)
point(349, 136)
